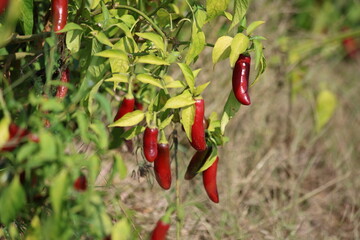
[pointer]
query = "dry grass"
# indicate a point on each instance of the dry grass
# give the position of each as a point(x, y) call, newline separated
point(278, 178)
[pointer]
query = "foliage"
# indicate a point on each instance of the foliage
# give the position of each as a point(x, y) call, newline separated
point(113, 50)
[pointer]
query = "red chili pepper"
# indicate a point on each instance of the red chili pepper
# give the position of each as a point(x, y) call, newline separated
point(3, 5)
point(197, 130)
point(240, 79)
point(80, 184)
point(62, 90)
point(59, 14)
point(162, 166)
point(209, 180)
point(197, 161)
point(150, 143)
point(126, 106)
point(139, 105)
point(16, 134)
point(160, 230)
point(351, 47)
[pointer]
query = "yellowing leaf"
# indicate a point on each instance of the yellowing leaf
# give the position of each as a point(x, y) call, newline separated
point(201, 88)
point(187, 119)
point(188, 74)
point(129, 119)
point(238, 45)
point(198, 41)
point(221, 49)
point(253, 26)
point(113, 53)
point(326, 103)
point(182, 100)
point(155, 38)
point(121, 230)
point(4, 130)
point(210, 160)
point(176, 84)
point(215, 8)
point(240, 8)
point(145, 78)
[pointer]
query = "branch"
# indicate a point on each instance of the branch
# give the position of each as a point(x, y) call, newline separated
point(18, 55)
point(16, 38)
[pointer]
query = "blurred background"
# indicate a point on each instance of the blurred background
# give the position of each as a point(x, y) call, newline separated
point(291, 167)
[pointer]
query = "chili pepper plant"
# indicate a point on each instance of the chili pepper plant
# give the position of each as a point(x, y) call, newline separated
point(82, 78)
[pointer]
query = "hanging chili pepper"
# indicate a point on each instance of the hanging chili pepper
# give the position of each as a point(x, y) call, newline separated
point(160, 230)
point(3, 5)
point(139, 105)
point(197, 161)
point(125, 107)
point(240, 79)
point(197, 130)
point(62, 90)
point(150, 143)
point(16, 134)
point(162, 165)
point(59, 10)
point(209, 180)
point(80, 184)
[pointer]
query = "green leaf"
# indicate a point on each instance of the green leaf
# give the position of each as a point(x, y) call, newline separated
point(228, 16)
point(166, 122)
point(129, 119)
point(83, 124)
point(71, 27)
point(187, 119)
point(196, 72)
point(94, 3)
point(102, 38)
point(58, 190)
point(261, 68)
point(239, 45)
point(213, 122)
point(155, 38)
point(121, 230)
point(27, 17)
point(253, 26)
point(101, 137)
point(133, 132)
point(258, 47)
point(176, 84)
point(221, 49)
point(48, 147)
point(92, 93)
point(231, 107)
point(326, 102)
point(120, 166)
point(26, 151)
point(200, 89)
point(12, 200)
point(240, 8)
point(145, 78)
point(188, 74)
point(215, 8)
point(113, 53)
point(52, 104)
point(210, 160)
point(151, 59)
point(198, 41)
point(73, 40)
point(182, 100)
